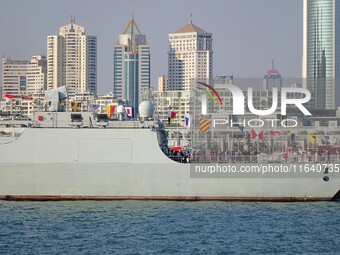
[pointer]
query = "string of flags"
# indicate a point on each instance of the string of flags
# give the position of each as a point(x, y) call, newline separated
point(10, 97)
point(241, 127)
point(171, 116)
point(130, 112)
point(187, 120)
point(75, 106)
point(274, 133)
point(204, 125)
point(93, 107)
point(257, 136)
point(109, 110)
point(312, 138)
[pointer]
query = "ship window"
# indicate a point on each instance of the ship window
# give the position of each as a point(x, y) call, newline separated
point(76, 117)
point(102, 117)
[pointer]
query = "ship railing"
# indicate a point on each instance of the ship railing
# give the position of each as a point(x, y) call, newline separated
point(225, 159)
point(264, 159)
point(180, 159)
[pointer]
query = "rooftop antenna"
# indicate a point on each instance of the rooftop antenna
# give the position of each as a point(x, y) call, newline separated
point(73, 19)
point(133, 21)
point(273, 64)
point(190, 20)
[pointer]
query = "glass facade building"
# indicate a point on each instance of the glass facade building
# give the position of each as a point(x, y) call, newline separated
point(131, 67)
point(321, 53)
point(131, 78)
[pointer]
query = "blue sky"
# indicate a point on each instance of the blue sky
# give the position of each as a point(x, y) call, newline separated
point(247, 34)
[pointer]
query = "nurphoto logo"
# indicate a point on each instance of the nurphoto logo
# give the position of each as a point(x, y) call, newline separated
point(238, 100)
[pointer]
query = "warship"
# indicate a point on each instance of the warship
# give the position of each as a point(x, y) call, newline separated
point(60, 155)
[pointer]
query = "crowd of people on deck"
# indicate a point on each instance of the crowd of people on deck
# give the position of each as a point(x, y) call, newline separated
point(182, 156)
point(227, 156)
point(317, 156)
point(252, 156)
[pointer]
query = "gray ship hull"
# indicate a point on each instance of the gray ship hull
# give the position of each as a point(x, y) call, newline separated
point(119, 164)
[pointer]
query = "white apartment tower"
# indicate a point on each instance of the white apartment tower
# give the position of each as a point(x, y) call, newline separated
point(72, 60)
point(24, 77)
point(190, 57)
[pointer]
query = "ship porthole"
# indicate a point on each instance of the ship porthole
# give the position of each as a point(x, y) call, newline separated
point(326, 178)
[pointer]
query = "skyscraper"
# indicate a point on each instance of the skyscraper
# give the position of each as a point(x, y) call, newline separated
point(190, 57)
point(321, 52)
point(72, 60)
point(131, 65)
point(272, 79)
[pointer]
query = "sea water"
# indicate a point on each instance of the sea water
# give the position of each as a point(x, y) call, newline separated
point(150, 227)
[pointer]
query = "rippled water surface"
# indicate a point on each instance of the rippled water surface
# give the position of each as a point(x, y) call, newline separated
point(134, 227)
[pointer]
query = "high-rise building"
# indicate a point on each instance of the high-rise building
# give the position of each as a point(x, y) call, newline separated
point(190, 57)
point(162, 83)
point(72, 60)
point(321, 52)
point(131, 68)
point(24, 77)
point(272, 79)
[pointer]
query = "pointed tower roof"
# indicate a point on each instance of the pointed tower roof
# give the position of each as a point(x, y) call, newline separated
point(190, 28)
point(132, 24)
